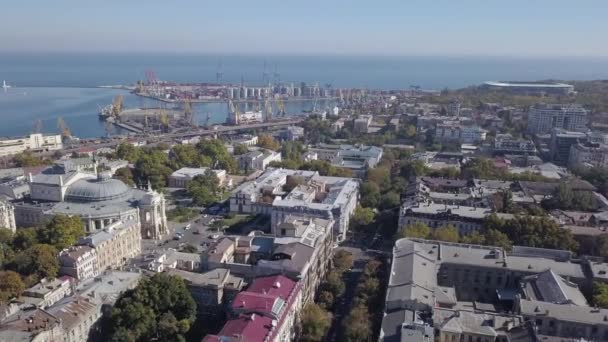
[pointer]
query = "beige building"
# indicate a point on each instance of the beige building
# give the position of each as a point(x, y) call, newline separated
point(7, 216)
point(114, 245)
point(49, 291)
point(79, 262)
point(77, 318)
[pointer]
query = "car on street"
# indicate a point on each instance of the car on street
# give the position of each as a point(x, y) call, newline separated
point(215, 236)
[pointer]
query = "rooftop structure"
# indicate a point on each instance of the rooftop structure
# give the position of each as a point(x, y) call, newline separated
point(98, 199)
point(183, 176)
point(358, 158)
point(325, 197)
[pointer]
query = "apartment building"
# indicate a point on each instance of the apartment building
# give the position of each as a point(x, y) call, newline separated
point(115, 245)
point(588, 154)
point(542, 118)
point(79, 262)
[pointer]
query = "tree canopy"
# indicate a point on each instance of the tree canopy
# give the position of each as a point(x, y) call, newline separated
point(61, 231)
point(204, 189)
point(315, 323)
point(268, 142)
point(158, 308)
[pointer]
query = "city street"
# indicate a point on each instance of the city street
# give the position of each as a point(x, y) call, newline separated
point(199, 235)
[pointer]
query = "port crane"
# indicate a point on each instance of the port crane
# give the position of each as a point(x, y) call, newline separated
point(280, 106)
point(63, 128)
point(268, 110)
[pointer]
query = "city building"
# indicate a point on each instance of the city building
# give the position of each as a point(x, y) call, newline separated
point(333, 198)
point(362, 123)
point(506, 144)
point(183, 176)
point(454, 132)
point(531, 88)
point(292, 133)
point(358, 158)
point(276, 297)
point(245, 139)
point(258, 160)
point(49, 291)
point(453, 108)
point(301, 250)
point(211, 290)
point(588, 154)
point(31, 326)
point(484, 293)
point(78, 317)
point(97, 199)
point(34, 142)
point(79, 262)
point(543, 118)
point(561, 141)
point(115, 244)
point(7, 216)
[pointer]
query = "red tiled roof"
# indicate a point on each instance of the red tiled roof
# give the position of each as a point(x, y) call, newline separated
point(250, 328)
point(277, 285)
point(252, 301)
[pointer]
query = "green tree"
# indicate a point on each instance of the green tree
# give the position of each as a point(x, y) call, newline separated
point(415, 230)
point(370, 195)
point(154, 167)
point(27, 159)
point(159, 307)
point(128, 152)
point(240, 149)
point(497, 238)
point(600, 294)
point(390, 200)
point(37, 262)
point(361, 218)
point(268, 142)
point(334, 284)
point(381, 176)
point(25, 238)
point(292, 150)
point(218, 154)
point(125, 175)
point(204, 189)
point(446, 233)
point(61, 231)
point(343, 260)
point(188, 156)
point(326, 300)
point(11, 285)
point(357, 325)
point(315, 323)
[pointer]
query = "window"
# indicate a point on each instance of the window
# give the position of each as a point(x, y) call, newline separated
point(539, 322)
point(283, 232)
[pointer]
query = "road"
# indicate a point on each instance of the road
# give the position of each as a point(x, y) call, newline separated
point(199, 235)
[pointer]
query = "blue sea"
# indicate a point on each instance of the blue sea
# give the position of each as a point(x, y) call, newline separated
point(48, 86)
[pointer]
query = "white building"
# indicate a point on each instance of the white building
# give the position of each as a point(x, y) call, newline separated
point(447, 132)
point(362, 123)
point(258, 160)
point(312, 195)
point(34, 142)
point(79, 262)
point(98, 200)
point(183, 176)
point(543, 118)
point(588, 154)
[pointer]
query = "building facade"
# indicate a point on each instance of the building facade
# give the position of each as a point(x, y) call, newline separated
point(543, 118)
point(590, 154)
point(115, 244)
point(79, 262)
point(34, 142)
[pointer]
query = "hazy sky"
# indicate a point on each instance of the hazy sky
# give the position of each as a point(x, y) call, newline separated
point(315, 27)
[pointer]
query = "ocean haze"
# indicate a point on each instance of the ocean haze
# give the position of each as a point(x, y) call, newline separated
point(88, 70)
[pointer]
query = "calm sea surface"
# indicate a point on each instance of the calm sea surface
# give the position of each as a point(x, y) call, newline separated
point(48, 86)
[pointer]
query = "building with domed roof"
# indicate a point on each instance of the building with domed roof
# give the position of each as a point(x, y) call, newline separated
point(96, 197)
